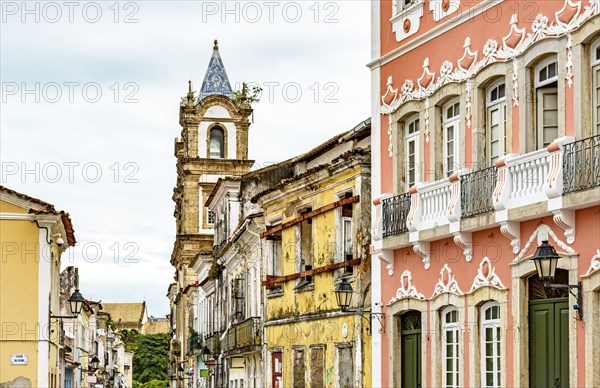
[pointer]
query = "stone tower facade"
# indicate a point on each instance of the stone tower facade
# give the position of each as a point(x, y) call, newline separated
point(213, 144)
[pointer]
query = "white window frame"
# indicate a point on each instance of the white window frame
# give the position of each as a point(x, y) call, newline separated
point(595, 84)
point(491, 105)
point(272, 265)
point(398, 6)
point(539, 124)
point(493, 323)
point(455, 328)
point(347, 220)
point(453, 121)
point(412, 138)
point(543, 64)
point(208, 217)
point(541, 87)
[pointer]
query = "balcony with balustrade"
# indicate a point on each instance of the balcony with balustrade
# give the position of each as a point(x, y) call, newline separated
point(550, 181)
point(244, 337)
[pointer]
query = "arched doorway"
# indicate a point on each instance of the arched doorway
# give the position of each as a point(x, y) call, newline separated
point(549, 332)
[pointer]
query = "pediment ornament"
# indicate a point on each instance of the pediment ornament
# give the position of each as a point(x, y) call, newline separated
point(486, 276)
point(406, 290)
point(543, 233)
point(446, 283)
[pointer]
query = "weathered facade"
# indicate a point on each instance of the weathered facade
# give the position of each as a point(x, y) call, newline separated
point(33, 236)
point(486, 139)
point(213, 143)
point(317, 232)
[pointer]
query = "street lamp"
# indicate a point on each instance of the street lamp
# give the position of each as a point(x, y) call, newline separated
point(343, 294)
point(546, 262)
point(205, 355)
point(76, 303)
point(95, 362)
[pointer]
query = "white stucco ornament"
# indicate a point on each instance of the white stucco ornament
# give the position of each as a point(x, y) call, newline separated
point(345, 330)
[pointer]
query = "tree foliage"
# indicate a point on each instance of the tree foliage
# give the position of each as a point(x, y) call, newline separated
point(150, 360)
point(130, 338)
point(155, 384)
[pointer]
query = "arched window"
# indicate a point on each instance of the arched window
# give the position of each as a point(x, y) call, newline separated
point(595, 67)
point(450, 344)
point(412, 151)
point(489, 342)
point(496, 120)
point(217, 143)
point(451, 129)
point(546, 86)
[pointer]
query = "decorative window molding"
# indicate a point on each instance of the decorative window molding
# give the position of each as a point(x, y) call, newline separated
point(486, 276)
point(446, 283)
point(571, 17)
point(406, 290)
point(543, 233)
point(594, 264)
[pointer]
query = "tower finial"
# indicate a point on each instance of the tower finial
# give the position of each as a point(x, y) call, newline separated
point(216, 46)
point(189, 86)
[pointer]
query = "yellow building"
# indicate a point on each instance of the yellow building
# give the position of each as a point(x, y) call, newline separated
point(317, 233)
point(33, 235)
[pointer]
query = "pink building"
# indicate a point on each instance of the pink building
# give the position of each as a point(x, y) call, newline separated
point(486, 140)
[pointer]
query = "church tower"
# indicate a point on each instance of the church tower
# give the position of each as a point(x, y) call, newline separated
point(213, 144)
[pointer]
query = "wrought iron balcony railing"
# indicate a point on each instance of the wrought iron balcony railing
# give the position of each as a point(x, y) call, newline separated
point(194, 343)
point(476, 192)
point(581, 165)
point(395, 209)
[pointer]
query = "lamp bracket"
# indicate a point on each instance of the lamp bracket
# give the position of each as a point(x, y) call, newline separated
point(364, 314)
point(577, 296)
point(62, 316)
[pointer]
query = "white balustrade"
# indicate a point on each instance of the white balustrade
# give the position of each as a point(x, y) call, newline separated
point(530, 178)
point(435, 204)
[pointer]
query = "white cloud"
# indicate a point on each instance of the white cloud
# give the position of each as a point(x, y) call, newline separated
point(168, 45)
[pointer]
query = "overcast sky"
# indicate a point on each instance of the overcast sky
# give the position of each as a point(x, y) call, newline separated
point(90, 102)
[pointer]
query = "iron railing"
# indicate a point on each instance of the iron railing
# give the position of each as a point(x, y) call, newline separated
point(395, 210)
point(476, 192)
point(194, 342)
point(581, 165)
